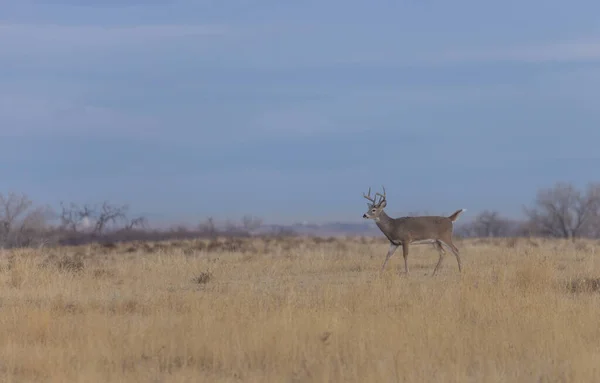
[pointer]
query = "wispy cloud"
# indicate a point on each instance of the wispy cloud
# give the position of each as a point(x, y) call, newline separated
point(578, 50)
point(586, 49)
point(376, 47)
point(105, 3)
point(24, 115)
point(50, 74)
point(253, 45)
point(293, 122)
point(36, 38)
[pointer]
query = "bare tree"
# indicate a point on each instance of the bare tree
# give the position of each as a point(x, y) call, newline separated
point(563, 211)
point(231, 227)
point(12, 207)
point(109, 214)
point(137, 223)
point(490, 224)
point(208, 227)
point(73, 217)
point(76, 218)
point(21, 224)
point(38, 218)
point(67, 218)
point(251, 223)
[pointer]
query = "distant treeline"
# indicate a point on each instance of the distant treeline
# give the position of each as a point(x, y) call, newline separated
point(561, 211)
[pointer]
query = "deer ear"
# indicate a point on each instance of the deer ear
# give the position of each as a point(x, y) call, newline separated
point(383, 204)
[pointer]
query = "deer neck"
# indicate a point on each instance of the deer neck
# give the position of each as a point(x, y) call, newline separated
point(384, 222)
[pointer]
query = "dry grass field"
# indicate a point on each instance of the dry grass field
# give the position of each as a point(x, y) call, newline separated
point(301, 310)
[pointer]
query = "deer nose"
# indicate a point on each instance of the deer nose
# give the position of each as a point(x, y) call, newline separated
point(364, 216)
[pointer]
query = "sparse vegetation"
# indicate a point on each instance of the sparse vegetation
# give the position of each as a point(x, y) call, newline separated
point(298, 309)
point(123, 302)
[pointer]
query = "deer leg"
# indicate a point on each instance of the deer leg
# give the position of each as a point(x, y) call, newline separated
point(405, 255)
point(455, 251)
point(390, 252)
point(438, 245)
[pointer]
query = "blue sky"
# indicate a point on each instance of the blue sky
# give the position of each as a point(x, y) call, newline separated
point(290, 110)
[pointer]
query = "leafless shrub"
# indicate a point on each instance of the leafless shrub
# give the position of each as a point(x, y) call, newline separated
point(321, 240)
point(103, 273)
point(148, 248)
point(565, 212)
point(203, 278)
point(69, 308)
point(251, 223)
point(233, 245)
point(109, 245)
point(68, 263)
point(490, 224)
point(93, 218)
point(194, 248)
point(208, 227)
point(199, 246)
point(128, 306)
point(583, 285)
point(137, 223)
point(22, 224)
point(71, 264)
point(73, 217)
point(583, 247)
point(511, 243)
point(12, 207)
point(109, 214)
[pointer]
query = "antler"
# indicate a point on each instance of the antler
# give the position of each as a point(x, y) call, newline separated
point(373, 200)
point(369, 197)
point(381, 195)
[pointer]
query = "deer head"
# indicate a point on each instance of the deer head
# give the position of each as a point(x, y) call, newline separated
point(375, 207)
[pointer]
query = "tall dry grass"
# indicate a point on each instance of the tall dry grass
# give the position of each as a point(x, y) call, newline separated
point(300, 311)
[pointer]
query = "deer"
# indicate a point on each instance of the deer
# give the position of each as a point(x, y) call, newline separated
point(405, 231)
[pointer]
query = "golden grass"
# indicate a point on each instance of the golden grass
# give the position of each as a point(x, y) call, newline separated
point(301, 310)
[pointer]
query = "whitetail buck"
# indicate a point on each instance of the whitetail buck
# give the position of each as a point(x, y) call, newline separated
point(404, 231)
